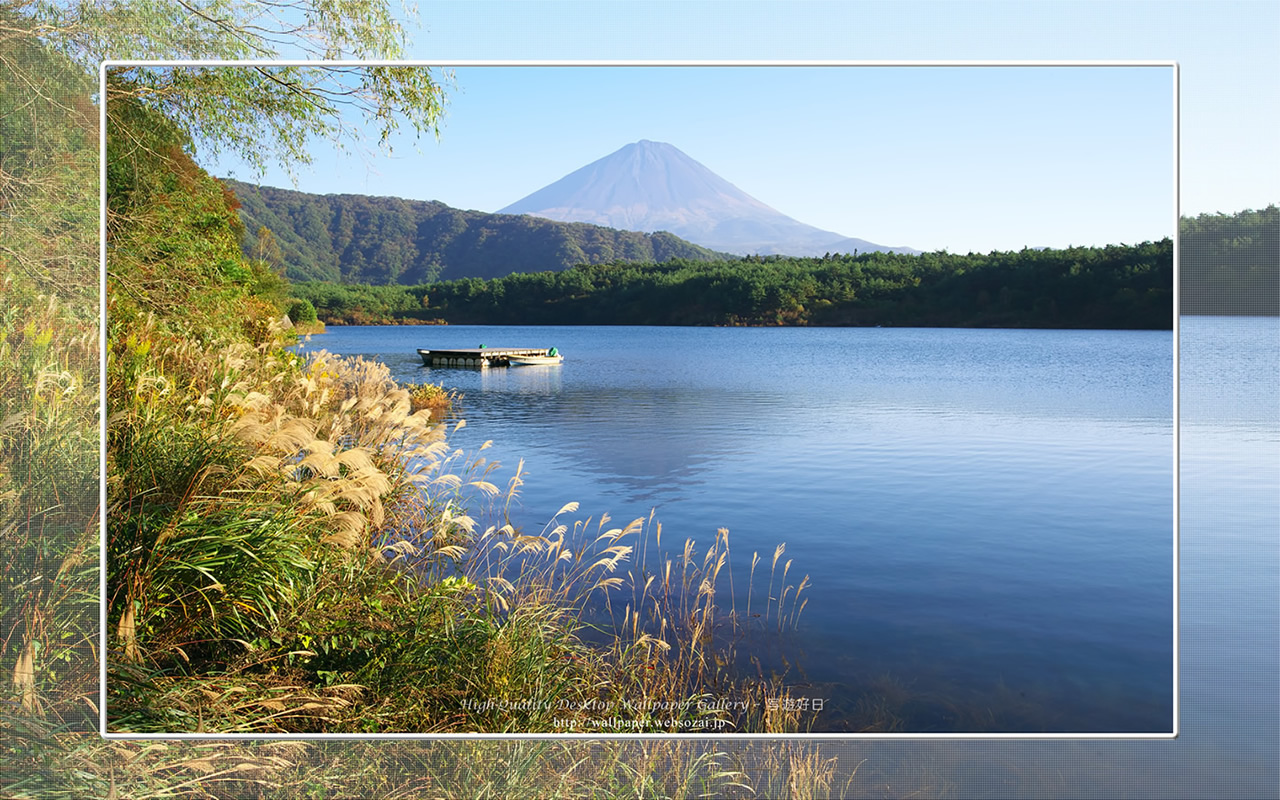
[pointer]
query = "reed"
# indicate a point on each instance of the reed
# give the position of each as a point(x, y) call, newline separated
point(447, 769)
point(48, 449)
point(251, 588)
point(294, 546)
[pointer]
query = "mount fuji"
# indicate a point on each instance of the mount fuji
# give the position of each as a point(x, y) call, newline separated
point(653, 186)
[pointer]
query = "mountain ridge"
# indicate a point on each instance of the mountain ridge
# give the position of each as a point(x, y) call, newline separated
point(391, 240)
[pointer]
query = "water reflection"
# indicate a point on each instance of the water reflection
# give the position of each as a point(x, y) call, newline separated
point(527, 380)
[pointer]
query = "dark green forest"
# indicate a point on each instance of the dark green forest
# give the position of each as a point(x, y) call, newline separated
point(388, 240)
point(1081, 287)
point(1231, 263)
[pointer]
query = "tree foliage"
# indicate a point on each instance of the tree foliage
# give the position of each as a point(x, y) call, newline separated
point(173, 240)
point(48, 164)
point(263, 114)
point(272, 114)
point(1081, 287)
point(1231, 262)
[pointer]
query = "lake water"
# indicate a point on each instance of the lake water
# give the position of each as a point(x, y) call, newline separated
point(986, 516)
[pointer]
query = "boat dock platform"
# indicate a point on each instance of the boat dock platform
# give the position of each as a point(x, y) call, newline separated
point(477, 356)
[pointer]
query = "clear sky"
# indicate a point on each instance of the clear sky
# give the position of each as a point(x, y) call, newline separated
point(958, 158)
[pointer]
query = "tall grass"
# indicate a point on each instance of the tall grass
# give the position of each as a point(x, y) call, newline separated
point(367, 636)
point(293, 547)
point(48, 446)
point(198, 592)
point(465, 769)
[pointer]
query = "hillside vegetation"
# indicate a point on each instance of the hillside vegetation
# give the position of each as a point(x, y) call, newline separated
point(1082, 287)
point(341, 243)
point(217, 567)
point(293, 546)
point(1231, 263)
point(388, 240)
point(49, 440)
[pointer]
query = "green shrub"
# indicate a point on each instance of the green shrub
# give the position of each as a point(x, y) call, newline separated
point(301, 310)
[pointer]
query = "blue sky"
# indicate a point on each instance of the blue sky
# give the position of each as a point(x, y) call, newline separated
point(958, 158)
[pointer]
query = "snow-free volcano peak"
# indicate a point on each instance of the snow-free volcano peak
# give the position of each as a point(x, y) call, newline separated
point(654, 186)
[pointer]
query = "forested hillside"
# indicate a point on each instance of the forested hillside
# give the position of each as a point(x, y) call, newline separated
point(1231, 263)
point(388, 240)
point(1080, 287)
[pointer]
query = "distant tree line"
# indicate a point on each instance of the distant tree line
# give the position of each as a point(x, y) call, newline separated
point(388, 240)
point(1119, 286)
point(1231, 263)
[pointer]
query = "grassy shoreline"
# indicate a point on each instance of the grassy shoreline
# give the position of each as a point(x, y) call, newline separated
point(51, 749)
point(294, 547)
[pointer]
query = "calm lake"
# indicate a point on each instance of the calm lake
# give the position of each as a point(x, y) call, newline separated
point(986, 516)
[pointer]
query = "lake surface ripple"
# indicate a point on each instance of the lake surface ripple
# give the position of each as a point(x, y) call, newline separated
point(986, 516)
